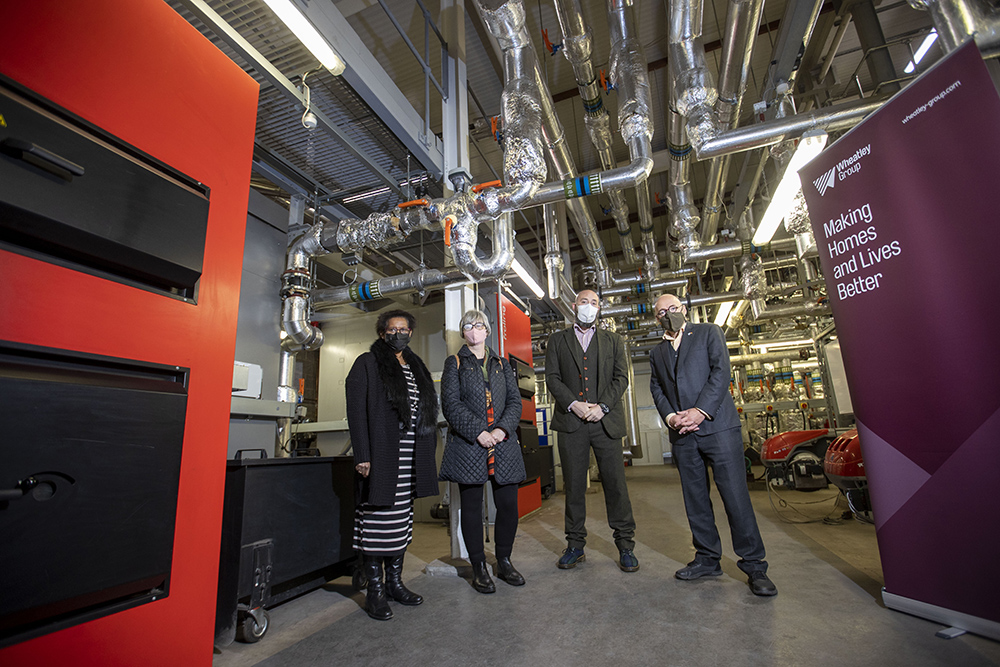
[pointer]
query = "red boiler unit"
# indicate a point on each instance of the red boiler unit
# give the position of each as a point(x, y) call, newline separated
point(845, 467)
point(126, 141)
point(794, 459)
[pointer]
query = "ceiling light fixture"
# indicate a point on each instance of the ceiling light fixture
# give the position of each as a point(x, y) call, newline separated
point(724, 309)
point(810, 145)
point(525, 277)
point(925, 46)
point(783, 343)
point(296, 21)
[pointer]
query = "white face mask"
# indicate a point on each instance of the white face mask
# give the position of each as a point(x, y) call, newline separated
point(586, 312)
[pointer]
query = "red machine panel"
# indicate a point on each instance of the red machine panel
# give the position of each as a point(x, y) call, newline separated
point(138, 70)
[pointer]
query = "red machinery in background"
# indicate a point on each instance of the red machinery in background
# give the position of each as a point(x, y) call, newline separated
point(794, 459)
point(845, 468)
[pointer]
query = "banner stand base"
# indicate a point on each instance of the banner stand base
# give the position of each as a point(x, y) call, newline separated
point(949, 617)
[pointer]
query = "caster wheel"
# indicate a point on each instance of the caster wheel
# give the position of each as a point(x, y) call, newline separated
point(249, 630)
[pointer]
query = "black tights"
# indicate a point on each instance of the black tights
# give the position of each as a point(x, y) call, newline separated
point(505, 497)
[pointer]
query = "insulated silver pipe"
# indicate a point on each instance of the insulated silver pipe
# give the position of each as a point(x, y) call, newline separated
point(505, 21)
point(766, 358)
point(633, 440)
point(802, 309)
point(407, 283)
point(463, 247)
point(734, 249)
point(650, 256)
point(638, 289)
point(737, 49)
point(957, 20)
point(711, 299)
point(577, 47)
point(684, 216)
point(553, 257)
point(693, 91)
point(296, 283)
point(781, 129)
point(630, 277)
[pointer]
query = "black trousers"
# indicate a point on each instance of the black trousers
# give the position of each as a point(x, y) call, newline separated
point(722, 451)
point(505, 498)
point(574, 454)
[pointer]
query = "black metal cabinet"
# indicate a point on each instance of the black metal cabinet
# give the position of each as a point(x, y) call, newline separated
point(89, 471)
point(287, 528)
point(73, 193)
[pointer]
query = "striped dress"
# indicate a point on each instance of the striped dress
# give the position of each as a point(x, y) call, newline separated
point(388, 531)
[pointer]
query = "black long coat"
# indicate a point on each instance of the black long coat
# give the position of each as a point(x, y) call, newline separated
point(463, 401)
point(376, 395)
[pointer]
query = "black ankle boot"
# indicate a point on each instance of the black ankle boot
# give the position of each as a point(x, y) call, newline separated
point(481, 580)
point(506, 572)
point(394, 582)
point(376, 603)
point(359, 578)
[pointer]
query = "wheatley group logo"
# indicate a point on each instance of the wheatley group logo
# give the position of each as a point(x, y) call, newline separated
point(842, 170)
point(827, 180)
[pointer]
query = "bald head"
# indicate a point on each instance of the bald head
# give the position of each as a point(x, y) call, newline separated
point(664, 304)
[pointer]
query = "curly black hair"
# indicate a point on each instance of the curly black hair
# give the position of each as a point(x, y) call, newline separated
point(383, 320)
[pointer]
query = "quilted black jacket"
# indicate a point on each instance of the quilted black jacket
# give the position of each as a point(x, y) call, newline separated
point(463, 401)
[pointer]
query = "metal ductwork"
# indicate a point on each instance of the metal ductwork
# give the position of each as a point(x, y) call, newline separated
point(577, 47)
point(957, 20)
point(761, 311)
point(769, 357)
point(737, 48)
point(735, 249)
point(369, 290)
point(505, 20)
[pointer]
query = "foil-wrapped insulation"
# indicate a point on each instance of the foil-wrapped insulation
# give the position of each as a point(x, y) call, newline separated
point(752, 278)
point(650, 259)
point(693, 90)
point(295, 320)
point(684, 225)
point(619, 211)
point(523, 156)
point(305, 247)
point(463, 247)
point(406, 283)
point(505, 21)
point(797, 219)
point(378, 230)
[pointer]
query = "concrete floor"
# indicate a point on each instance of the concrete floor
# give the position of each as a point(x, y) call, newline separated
point(828, 610)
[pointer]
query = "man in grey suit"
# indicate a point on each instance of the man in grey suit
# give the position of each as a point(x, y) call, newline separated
point(586, 375)
point(690, 387)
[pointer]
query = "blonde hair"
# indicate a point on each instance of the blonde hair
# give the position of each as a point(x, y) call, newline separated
point(473, 316)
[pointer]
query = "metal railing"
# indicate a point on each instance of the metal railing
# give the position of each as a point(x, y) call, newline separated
point(429, 78)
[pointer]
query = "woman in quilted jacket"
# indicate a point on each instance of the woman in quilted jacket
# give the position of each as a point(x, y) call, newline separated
point(480, 400)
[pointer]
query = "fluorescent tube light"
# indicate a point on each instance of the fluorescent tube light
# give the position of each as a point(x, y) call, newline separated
point(783, 343)
point(925, 46)
point(525, 277)
point(810, 145)
point(307, 34)
point(724, 309)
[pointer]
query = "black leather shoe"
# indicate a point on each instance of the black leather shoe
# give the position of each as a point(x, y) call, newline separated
point(376, 602)
point(627, 562)
point(481, 580)
point(696, 570)
point(506, 572)
point(761, 585)
point(394, 587)
point(570, 557)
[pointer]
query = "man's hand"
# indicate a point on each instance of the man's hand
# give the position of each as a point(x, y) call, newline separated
point(499, 435)
point(582, 408)
point(688, 420)
point(486, 439)
point(595, 414)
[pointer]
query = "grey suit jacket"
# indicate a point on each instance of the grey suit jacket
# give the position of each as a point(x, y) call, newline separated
point(564, 373)
point(701, 380)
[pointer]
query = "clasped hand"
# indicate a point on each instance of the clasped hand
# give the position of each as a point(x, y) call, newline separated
point(492, 438)
point(588, 412)
point(686, 421)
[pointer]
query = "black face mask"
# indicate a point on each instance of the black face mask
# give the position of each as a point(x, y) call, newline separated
point(672, 321)
point(397, 341)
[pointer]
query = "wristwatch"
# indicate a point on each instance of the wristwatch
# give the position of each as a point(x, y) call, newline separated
point(604, 407)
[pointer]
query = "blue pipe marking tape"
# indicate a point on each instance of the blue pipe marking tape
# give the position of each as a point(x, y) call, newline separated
point(366, 291)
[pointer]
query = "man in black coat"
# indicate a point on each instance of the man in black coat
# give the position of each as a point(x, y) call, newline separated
point(690, 387)
point(586, 374)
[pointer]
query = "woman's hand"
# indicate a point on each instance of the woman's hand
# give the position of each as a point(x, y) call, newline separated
point(363, 468)
point(499, 435)
point(486, 439)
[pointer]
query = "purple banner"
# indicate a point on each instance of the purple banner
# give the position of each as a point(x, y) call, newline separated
point(905, 212)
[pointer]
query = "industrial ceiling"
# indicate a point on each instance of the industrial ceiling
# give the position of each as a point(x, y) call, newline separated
point(289, 157)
